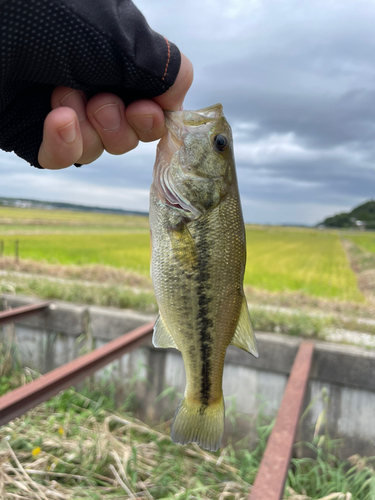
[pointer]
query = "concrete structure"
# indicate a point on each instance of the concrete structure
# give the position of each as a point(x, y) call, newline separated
point(341, 389)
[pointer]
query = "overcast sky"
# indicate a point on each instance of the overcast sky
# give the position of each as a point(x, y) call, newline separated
point(297, 82)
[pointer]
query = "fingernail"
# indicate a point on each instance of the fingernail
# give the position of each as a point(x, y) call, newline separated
point(142, 122)
point(68, 133)
point(75, 100)
point(108, 117)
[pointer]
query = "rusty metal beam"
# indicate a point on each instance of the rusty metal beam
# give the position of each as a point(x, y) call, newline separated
point(11, 315)
point(24, 398)
point(270, 480)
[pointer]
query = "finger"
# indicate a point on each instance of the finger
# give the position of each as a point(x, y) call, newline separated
point(75, 99)
point(62, 140)
point(106, 113)
point(147, 119)
point(173, 99)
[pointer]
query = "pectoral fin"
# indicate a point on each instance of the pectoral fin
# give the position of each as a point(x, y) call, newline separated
point(162, 337)
point(244, 337)
point(183, 246)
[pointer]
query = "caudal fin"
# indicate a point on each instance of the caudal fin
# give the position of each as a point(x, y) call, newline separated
point(198, 423)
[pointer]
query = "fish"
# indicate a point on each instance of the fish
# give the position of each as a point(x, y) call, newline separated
point(198, 257)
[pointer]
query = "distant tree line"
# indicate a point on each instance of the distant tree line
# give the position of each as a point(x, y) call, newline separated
point(55, 205)
point(361, 216)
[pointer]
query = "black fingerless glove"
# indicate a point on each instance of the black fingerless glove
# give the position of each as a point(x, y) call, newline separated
point(90, 45)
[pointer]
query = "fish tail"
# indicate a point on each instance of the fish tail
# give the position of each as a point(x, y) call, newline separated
point(199, 423)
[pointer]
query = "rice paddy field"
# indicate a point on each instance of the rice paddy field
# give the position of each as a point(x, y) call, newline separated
point(364, 240)
point(11, 216)
point(311, 261)
point(79, 446)
point(278, 259)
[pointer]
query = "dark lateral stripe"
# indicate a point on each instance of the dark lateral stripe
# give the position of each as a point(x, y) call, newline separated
point(203, 320)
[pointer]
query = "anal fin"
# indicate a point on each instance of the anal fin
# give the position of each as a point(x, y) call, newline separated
point(161, 336)
point(244, 337)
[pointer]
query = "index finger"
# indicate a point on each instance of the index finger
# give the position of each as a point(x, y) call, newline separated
point(173, 99)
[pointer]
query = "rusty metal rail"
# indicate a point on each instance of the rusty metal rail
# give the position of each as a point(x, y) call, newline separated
point(24, 398)
point(270, 481)
point(18, 312)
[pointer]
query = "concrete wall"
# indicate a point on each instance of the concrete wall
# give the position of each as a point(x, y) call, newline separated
point(341, 387)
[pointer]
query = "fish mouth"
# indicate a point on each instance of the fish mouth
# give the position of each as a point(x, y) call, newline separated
point(179, 122)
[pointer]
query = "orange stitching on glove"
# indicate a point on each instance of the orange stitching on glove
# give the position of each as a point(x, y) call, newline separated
point(169, 56)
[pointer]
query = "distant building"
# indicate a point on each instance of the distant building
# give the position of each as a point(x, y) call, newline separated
point(358, 223)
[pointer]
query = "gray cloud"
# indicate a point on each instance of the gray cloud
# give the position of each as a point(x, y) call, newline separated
point(297, 81)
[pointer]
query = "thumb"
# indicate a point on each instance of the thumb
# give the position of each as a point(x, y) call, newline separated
point(174, 97)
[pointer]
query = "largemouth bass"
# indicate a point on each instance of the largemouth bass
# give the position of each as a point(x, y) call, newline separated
point(198, 263)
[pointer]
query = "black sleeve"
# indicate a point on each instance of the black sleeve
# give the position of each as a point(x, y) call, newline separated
point(90, 45)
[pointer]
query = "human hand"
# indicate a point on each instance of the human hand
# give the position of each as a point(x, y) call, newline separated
point(77, 130)
point(69, 64)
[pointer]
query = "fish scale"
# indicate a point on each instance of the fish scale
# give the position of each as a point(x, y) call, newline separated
point(198, 263)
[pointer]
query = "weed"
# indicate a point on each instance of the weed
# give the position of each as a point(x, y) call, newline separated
point(77, 446)
point(93, 294)
point(297, 323)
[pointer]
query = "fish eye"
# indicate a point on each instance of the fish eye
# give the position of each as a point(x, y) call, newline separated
point(221, 142)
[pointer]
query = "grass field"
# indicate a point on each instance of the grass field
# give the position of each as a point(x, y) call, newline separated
point(78, 446)
point(127, 250)
point(15, 216)
point(364, 240)
point(278, 259)
point(16, 229)
point(310, 261)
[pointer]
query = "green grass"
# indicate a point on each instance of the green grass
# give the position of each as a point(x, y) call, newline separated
point(11, 215)
point(278, 259)
point(77, 442)
point(14, 229)
point(364, 240)
point(325, 474)
point(299, 323)
point(130, 251)
point(309, 261)
point(92, 294)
